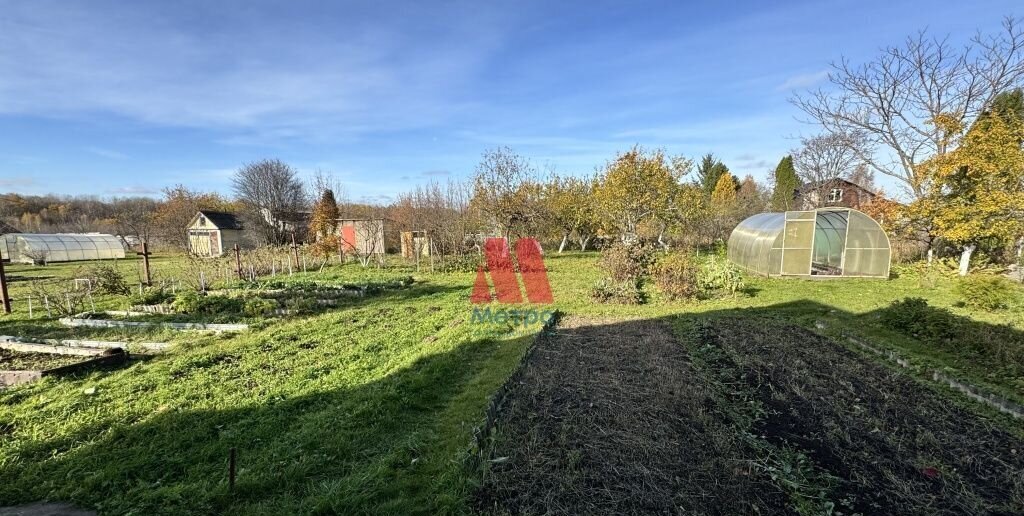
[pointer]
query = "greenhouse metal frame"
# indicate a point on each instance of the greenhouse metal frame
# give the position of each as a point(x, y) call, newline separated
point(64, 247)
point(827, 243)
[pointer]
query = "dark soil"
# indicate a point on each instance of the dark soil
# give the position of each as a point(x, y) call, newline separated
point(20, 361)
point(895, 446)
point(749, 416)
point(612, 419)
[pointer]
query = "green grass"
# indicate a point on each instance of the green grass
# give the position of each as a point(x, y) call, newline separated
point(364, 408)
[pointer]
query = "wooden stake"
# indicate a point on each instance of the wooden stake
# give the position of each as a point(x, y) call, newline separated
point(145, 263)
point(5, 298)
point(238, 262)
point(295, 250)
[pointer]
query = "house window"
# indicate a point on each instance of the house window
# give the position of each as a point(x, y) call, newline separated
point(202, 220)
point(835, 195)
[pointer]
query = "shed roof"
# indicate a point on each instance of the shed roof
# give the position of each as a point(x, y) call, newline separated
point(221, 219)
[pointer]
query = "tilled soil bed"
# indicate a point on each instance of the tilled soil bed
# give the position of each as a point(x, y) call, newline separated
point(746, 416)
point(611, 418)
point(23, 361)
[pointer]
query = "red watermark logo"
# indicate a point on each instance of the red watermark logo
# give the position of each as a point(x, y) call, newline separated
point(503, 273)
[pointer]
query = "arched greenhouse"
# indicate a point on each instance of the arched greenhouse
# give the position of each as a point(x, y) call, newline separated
point(838, 242)
point(35, 248)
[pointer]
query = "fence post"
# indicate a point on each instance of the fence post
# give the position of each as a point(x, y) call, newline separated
point(5, 298)
point(145, 263)
point(238, 262)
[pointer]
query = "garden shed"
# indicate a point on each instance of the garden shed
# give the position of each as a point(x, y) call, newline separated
point(827, 242)
point(63, 247)
point(214, 233)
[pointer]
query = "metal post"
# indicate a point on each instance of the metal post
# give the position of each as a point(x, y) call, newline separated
point(5, 298)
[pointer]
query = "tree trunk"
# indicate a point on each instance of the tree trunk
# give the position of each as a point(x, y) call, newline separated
point(931, 254)
point(965, 258)
point(1020, 248)
point(584, 241)
point(565, 241)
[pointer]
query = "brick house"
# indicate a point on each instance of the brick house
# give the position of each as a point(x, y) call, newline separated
point(836, 192)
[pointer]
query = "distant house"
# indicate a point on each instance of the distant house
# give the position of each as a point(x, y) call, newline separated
point(214, 233)
point(837, 192)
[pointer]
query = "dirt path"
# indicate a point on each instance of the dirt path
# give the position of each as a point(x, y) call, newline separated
point(615, 417)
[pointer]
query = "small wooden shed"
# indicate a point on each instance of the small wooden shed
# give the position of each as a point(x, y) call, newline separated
point(214, 233)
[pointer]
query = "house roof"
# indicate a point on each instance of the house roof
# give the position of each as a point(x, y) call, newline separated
point(814, 185)
point(6, 228)
point(221, 219)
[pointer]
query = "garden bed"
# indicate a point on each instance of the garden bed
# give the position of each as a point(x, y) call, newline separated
point(753, 416)
point(94, 320)
point(22, 363)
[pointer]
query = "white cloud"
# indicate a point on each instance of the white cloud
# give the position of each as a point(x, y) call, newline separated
point(134, 190)
point(106, 153)
point(258, 83)
point(804, 80)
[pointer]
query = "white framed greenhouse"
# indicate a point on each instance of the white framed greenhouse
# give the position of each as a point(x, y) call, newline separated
point(827, 242)
point(64, 247)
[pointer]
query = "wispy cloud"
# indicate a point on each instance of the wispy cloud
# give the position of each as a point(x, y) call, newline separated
point(106, 153)
point(16, 182)
point(133, 190)
point(436, 173)
point(804, 80)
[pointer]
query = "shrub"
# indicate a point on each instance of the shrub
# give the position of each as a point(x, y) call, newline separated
point(187, 302)
point(624, 262)
point(913, 316)
point(151, 296)
point(257, 307)
point(676, 276)
point(719, 275)
point(625, 292)
point(107, 280)
point(987, 292)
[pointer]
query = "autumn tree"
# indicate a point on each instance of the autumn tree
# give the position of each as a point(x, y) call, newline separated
point(639, 187)
point(709, 171)
point(504, 192)
point(976, 191)
point(571, 203)
point(323, 224)
point(890, 101)
point(786, 184)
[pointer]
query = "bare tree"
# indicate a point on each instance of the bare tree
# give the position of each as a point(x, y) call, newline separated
point(273, 198)
point(820, 161)
point(891, 102)
point(504, 191)
point(134, 217)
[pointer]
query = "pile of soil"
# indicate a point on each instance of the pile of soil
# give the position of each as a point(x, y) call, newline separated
point(21, 361)
point(612, 419)
point(748, 416)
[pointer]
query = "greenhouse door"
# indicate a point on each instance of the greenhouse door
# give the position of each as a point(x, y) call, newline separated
point(797, 243)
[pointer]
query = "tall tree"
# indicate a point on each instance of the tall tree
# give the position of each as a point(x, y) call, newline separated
point(571, 204)
point(709, 171)
point(976, 192)
point(639, 187)
point(323, 222)
point(820, 161)
point(786, 184)
point(891, 101)
point(273, 198)
point(179, 206)
point(504, 193)
point(724, 193)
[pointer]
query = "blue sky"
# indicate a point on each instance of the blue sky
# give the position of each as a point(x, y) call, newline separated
point(116, 98)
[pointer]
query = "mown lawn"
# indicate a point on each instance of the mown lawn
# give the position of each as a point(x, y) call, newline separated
point(364, 408)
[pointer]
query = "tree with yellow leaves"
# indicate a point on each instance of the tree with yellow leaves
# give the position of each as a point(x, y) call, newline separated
point(976, 191)
point(724, 194)
point(639, 187)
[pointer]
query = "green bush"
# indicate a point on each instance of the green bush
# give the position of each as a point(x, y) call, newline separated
point(258, 307)
point(987, 292)
point(624, 262)
point(913, 316)
point(151, 296)
point(108, 280)
point(719, 275)
point(625, 292)
point(677, 276)
point(192, 302)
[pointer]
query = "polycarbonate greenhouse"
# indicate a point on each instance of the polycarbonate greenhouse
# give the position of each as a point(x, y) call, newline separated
point(34, 248)
point(836, 242)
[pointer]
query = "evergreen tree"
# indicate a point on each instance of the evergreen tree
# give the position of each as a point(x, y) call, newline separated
point(324, 219)
point(709, 172)
point(786, 184)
